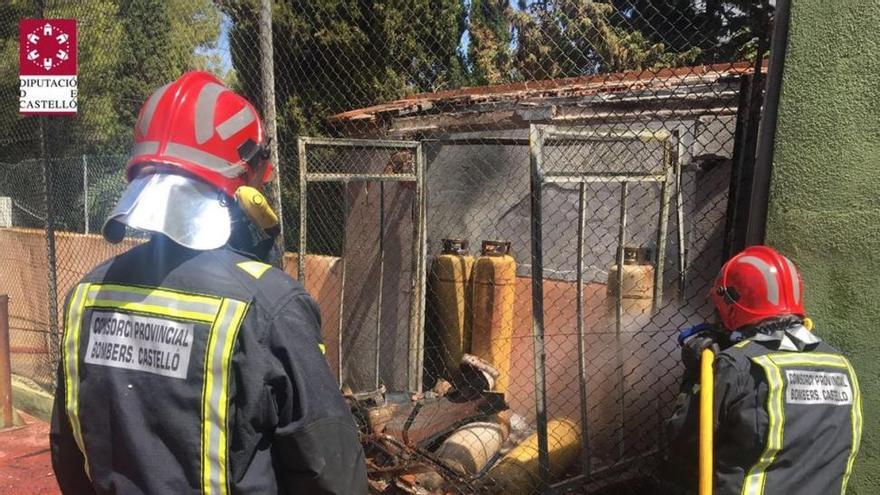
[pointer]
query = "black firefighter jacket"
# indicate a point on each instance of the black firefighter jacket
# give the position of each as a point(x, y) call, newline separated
point(786, 422)
point(198, 372)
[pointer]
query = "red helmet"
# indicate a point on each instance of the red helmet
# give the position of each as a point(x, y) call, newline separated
point(757, 284)
point(199, 126)
point(195, 143)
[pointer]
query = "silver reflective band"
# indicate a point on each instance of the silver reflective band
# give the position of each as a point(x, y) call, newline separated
point(145, 148)
point(795, 283)
point(769, 276)
point(234, 124)
point(207, 160)
point(205, 106)
point(150, 108)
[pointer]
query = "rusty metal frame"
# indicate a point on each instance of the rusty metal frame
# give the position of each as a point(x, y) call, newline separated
point(419, 245)
point(539, 135)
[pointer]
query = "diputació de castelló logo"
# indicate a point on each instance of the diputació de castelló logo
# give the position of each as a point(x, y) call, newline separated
point(47, 66)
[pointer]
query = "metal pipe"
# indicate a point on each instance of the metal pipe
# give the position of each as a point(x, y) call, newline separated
point(554, 133)
point(757, 217)
point(267, 80)
point(679, 207)
point(662, 227)
point(420, 249)
point(52, 268)
point(536, 150)
point(342, 177)
point(303, 211)
point(85, 193)
point(7, 413)
point(366, 143)
point(381, 281)
point(610, 178)
point(582, 364)
point(478, 141)
point(618, 315)
point(339, 361)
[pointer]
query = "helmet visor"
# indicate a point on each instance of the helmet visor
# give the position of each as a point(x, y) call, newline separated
point(191, 213)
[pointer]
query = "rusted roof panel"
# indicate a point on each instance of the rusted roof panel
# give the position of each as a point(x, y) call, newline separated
point(538, 93)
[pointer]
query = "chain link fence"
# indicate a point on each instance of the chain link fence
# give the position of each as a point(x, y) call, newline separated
point(508, 208)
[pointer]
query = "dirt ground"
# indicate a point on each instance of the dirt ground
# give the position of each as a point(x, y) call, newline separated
point(25, 465)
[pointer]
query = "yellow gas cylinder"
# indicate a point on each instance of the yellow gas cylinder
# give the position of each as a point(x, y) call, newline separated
point(518, 472)
point(494, 293)
point(451, 295)
point(638, 279)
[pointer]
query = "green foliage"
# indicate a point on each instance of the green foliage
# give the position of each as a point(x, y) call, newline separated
point(562, 38)
point(491, 32)
point(722, 30)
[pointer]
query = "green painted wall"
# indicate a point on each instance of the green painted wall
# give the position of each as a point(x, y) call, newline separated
point(825, 192)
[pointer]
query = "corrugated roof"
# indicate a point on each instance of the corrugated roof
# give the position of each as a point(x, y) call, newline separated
point(536, 92)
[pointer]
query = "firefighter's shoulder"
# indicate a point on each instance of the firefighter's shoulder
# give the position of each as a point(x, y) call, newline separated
point(268, 284)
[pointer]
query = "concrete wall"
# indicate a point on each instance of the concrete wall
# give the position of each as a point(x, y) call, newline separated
point(825, 197)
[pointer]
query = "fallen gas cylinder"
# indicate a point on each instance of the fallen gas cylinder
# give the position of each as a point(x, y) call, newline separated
point(467, 451)
point(518, 472)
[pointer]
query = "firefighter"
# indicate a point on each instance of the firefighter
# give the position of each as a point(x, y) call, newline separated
point(787, 405)
point(188, 364)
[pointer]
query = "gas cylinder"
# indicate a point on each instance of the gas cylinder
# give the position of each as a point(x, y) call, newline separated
point(494, 293)
point(451, 296)
point(467, 450)
point(518, 472)
point(638, 279)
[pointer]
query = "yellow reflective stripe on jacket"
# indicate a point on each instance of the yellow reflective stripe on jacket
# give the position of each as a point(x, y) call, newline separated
point(154, 301)
point(224, 315)
point(756, 477)
point(772, 364)
point(254, 268)
point(70, 358)
point(215, 398)
point(833, 361)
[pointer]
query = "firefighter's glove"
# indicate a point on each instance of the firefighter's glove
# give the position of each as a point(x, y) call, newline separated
point(697, 338)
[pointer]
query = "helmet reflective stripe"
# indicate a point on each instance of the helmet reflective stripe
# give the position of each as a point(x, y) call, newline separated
point(207, 160)
point(769, 276)
point(205, 106)
point(145, 148)
point(150, 108)
point(235, 123)
point(795, 283)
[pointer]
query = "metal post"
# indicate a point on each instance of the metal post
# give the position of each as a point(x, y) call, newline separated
point(420, 248)
point(6, 411)
point(662, 227)
point(339, 364)
point(618, 315)
point(679, 211)
point(582, 363)
point(536, 145)
point(86, 192)
point(267, 78)
point(757, 215)
point(303, 212)
point(52, 274)
point(381, 279)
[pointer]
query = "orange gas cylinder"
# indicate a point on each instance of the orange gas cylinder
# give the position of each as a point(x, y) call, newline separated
point(494, 292)
point(451, 296)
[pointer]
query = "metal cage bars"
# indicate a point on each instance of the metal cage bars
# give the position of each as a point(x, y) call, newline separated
point(539, 136)
point(415, 358)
